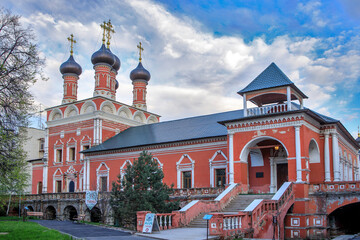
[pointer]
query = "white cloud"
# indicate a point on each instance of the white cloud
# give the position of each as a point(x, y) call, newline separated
point(193, 71)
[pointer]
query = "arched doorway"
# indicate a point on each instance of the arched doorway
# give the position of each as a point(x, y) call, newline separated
point(50, 213)
point(345, 220)
point(267, 164)
point(71, 186)
point(70, 213)
point(95, 214)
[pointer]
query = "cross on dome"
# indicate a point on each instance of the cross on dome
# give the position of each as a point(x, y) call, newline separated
point(109, 29)
point(140, 49)
point(72, 41)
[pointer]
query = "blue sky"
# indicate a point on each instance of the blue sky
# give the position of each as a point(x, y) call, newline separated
point(200, 53)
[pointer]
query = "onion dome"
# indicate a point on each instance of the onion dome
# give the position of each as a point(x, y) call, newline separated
point(140, 73)
point(70, 66)
point(103, 55)
point(116, 84)
point(117, 63)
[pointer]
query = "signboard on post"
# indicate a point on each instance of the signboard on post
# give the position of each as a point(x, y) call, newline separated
point(91, 199)
point(150, 223)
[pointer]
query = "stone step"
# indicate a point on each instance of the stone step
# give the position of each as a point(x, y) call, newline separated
point(239, 203)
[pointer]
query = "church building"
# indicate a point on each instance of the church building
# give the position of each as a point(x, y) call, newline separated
point(90, 142)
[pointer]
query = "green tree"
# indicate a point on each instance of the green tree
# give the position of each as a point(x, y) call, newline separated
point(141, 189)
point(20, 66)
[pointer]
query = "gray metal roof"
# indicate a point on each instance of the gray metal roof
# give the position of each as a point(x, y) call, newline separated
point(170, 131)
point(271, 77)
point(177, 130)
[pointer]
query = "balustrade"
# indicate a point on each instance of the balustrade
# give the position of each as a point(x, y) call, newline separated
point(164, 220)
point(277, 108)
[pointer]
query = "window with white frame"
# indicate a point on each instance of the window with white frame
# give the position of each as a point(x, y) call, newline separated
point(58, 151)
point(185, 164)
point(123, 168)
point(218, 169)
point(102, 173)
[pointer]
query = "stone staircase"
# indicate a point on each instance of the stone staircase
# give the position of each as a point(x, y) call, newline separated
point(240, 202)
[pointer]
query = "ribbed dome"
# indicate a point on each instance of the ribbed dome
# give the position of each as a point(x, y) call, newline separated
point(116, 84)
point(70, 66)
point(103, 55)
point(140, 73)
point(117, 63)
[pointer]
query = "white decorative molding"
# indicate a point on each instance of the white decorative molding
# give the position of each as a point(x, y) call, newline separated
point(102, 173)
point(123, 168)
point(217, 165)
point(71, 111)
point(184, 168)
point(139, 116)
point(124, 112)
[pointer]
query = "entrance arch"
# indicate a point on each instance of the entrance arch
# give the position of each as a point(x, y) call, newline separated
point(71, 186)
point(345, 219)
point(95, 215)
point(266, 158)
point(70, 213)
point(50, 213)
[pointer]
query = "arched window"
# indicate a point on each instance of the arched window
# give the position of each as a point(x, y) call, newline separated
point(71, 186)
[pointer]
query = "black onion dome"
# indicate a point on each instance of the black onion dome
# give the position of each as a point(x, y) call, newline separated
point(116, 84)
point(140, 73)
point(103, 55)
point(70, 66)
point(117, 63)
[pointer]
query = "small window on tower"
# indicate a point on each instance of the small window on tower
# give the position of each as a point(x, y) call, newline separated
point(59, 155)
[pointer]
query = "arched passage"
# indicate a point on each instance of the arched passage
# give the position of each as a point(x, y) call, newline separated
point(50, 213)
point(95, 215)
point(70, 213)
point(345, 219)
point(267, 164)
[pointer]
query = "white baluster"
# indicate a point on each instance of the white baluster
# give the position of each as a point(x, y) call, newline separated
point(236, 223)
point(160, 222)
point(233, 223)
point(169, 220)
point(165, 222)
point(229, 223)
point(225, 224)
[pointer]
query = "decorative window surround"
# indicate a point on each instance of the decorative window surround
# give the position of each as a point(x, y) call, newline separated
point(102, 173)
point(158, 161)
point(123, 169)
point(59, 145)
point(57, 176)
point(217, 165)
point(184, 168)
point(71, 144)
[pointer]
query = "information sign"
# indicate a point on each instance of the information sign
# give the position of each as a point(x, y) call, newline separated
point(207, 217)
point(150, 224)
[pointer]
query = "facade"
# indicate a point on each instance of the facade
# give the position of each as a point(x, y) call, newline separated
point(90, 142)
point(34, 148)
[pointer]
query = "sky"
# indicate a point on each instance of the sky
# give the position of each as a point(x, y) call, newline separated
point(200, 53)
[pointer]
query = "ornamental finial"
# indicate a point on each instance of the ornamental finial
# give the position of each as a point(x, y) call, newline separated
point(109, 30)
point(140, 49)
point(72, 41)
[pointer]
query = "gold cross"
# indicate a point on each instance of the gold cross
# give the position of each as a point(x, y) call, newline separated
point(72, 41)
point(140, 49)
point(103, 26)
point(109, 30)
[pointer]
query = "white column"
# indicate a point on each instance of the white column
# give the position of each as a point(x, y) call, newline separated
point(245, 105)
point(46, 160)
point(288, 98)
point(298, 154)
point(88, 174)
point(178, 173)
point(84, 175)
point(45, 177)
point(327, 157)
point(95, 131)
point(336, 162)
point(211, 175)
point(231, 158)
point(100, 131)
point(272, 176)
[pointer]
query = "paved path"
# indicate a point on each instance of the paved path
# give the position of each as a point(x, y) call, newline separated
point(180, 234)
point(89, 232)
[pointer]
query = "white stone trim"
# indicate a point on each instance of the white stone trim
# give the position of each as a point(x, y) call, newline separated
point(151, 119)
point(86, 105)
point(109, 104)
point(185, 168)
point(160, 164)
point(298, 154)
point(123, 168)
point(327, 157)
point(69, 109)
point(57, 178)
point(102, 173)
point(53, 113)
point(126, 110)
point(217, 165)
point(141, 115)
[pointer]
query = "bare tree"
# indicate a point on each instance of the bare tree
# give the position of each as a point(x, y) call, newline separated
point(20, 66)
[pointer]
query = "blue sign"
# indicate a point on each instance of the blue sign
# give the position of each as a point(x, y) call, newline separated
point(207, 217)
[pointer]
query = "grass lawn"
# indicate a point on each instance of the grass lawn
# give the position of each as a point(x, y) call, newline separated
point(28, 230)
